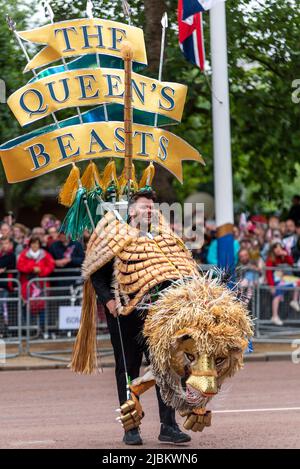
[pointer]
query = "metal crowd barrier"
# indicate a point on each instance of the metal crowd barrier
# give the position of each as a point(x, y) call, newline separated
point(45, 336)
point(258, 296)
point(265, 330)
point(10, 317)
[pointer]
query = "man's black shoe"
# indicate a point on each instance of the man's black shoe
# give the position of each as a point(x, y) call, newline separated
point(132, 437)
point(172, 434)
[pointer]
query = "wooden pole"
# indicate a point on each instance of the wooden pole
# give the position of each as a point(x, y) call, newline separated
point(127, 55)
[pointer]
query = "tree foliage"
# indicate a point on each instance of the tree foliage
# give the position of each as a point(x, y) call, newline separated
point(264, 59)
point(11, 65)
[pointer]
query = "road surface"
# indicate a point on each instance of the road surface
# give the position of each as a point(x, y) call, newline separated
point(258, 408)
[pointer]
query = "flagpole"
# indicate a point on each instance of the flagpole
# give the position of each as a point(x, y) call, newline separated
point(90, 15)
point(127, 55)
point(13, 27)
point(164, 24)
point(221, 137)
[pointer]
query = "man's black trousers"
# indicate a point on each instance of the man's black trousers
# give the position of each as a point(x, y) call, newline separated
point(134, 347)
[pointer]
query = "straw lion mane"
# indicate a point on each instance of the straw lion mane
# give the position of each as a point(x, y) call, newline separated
point(197, 331)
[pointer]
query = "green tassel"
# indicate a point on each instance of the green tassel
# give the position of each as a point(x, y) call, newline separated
point(146, 189)
point(93, 200)
point(75, 220)
point(111, 193)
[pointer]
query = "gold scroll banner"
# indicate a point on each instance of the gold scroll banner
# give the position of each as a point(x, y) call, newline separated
point(56, 149)
point(83, 36)
point(87, 87)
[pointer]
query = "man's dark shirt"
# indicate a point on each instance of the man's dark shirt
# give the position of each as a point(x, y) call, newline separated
point(58, 250)
point(8, 262)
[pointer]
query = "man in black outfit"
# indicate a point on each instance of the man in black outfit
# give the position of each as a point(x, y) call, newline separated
point(141, 206)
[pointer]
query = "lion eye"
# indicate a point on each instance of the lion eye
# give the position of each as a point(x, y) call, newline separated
point(220, 360)
point(190, 357)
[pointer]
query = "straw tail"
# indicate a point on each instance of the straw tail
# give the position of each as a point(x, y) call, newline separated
point(68, 191)
point(84, 355)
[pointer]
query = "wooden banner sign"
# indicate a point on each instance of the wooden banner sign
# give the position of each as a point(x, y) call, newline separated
point(55, 149)
point(94, 78)
point(88, 87)
point(83, 36)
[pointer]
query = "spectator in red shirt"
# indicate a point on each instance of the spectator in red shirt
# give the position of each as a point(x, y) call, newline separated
point(35, 262)
point(278, 257)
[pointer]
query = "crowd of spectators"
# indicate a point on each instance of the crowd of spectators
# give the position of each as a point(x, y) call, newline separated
point(263, 248)
point(34, 253)
point(266, 251)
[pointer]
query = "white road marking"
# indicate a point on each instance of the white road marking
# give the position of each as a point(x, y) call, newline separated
point(34, 442)
point(274, 409)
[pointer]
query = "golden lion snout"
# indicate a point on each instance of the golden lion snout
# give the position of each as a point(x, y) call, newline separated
point(203, 376)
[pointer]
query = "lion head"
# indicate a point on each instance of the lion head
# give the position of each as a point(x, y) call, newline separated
point(197, 332)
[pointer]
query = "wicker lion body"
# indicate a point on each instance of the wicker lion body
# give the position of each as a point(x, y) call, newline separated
point(197, 330)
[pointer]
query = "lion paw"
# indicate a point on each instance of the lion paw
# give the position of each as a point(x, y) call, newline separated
point(130, 416)
point(197, 421)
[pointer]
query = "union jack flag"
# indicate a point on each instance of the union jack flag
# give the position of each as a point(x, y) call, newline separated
point(191, 7)
point(191, 37)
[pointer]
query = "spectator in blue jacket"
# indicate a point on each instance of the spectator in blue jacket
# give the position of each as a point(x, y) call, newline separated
point(212, 255)
point(66, 253)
